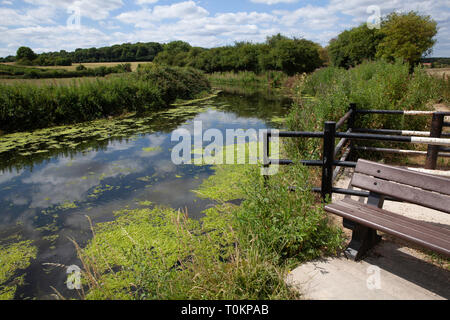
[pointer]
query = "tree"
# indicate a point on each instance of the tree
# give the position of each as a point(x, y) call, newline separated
point(408, 36)
point(25, 53)
point(354, 46)
point(295, 56)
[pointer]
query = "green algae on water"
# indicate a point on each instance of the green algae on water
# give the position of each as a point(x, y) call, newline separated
point(151, 249)
point(151, 149)
point(13, 258)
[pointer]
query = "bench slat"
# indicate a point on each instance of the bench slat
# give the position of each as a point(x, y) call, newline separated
point(404, 176)
point(420, 226)
point(424, 234)
point(403, 192)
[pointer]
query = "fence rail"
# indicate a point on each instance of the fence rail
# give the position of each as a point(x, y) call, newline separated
point(435, 139)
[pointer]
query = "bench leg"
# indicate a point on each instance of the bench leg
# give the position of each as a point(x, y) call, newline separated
point(363, 239)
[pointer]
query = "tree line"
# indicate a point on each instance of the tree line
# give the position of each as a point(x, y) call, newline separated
point(126, 52)
point(408, 36)
point(278, 53)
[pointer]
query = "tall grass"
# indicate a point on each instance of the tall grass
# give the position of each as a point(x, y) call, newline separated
point(371, 85)
point(24, 106)
point(271, 79)
point(233, 253)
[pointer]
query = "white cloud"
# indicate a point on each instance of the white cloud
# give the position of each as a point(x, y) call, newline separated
point(141, 2)
point(42, 25)
point(12, 17)
point(271, 2)
point(187, 10)
point(93, 9)
point(310, 17)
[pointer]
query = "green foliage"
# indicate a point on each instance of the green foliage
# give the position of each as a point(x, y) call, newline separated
point(8, 59)
point(80, 67)
point(278, 53)
point(175, 83)
point(25, 106)
point(293, 56)
point(354, 46)
point(162, 254)
point(270, 79)
point(63, 62)
point(407, 36)
point(232, 253)
point(437, 62)
point(25, 53)
point(286, 225)
point(14, 257)
point(118, 53)
point(371, 85)
point(8, 71)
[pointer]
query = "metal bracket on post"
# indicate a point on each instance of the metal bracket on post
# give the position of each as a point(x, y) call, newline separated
point(435, 132)
point(328, 159)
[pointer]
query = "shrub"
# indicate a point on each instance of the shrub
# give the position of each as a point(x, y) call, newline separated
point(371, 85)
point(81, 67)
point(24, 107)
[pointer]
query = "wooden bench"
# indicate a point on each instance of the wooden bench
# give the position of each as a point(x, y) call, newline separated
point(405, 185)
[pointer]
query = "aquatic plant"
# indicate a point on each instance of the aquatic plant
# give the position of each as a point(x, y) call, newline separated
point(13, 258)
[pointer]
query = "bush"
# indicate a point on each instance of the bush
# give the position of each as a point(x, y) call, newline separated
point(80, 71)
point(354, 46)
point(371, 85)
point(175, 82)
point(80, 68)
point(286, 225)
point(24, 107)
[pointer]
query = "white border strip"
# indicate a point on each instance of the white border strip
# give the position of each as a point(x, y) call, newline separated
point(434, 141)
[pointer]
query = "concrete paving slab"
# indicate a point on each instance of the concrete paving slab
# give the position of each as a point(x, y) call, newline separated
point(392, 270)
point(388, 273)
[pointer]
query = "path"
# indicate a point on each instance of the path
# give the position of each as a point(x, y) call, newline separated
point(405, 272)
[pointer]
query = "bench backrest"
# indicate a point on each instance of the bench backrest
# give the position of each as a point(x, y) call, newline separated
point(415, 187)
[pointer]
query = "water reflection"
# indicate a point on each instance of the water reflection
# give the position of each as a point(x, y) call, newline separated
point(46, 197)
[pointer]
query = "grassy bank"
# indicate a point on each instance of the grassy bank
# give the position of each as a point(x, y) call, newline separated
point(273, 79)
point(372, 85)
point(234, 252)
point(25, 107)
point(245, 251)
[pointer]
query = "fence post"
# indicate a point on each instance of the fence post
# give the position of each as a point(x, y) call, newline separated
point(328, 159)
point(435, 132)
point(351, 120)
point(351, 126)
point(266, 154)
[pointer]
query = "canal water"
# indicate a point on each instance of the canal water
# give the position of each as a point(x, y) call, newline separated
point(51, 180)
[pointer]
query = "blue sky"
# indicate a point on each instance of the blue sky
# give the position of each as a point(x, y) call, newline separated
point(50, 25)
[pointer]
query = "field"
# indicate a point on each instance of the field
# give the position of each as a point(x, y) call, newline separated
point(440, 72)
point(55, 81)
point(134, 65)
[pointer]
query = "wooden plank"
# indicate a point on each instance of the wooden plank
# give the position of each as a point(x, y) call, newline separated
point(403, 192)
point(393, 224)
point(405, 176)
point(426, 235)
point(421, 226)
